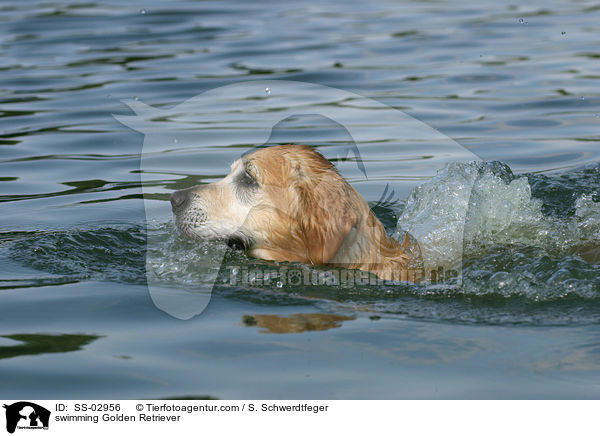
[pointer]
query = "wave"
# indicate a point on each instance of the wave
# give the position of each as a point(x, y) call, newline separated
point(527, 248)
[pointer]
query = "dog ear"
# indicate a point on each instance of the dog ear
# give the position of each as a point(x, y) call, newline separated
point(325, 217)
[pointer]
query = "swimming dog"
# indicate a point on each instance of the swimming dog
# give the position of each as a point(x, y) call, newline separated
point(289, 203)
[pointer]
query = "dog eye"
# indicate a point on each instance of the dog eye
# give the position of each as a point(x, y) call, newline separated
point(247, 179)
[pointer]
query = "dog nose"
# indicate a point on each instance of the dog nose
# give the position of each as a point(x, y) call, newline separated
point(178, 200)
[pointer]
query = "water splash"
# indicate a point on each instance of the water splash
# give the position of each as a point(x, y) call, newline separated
point(478, 215)
point(529, 248)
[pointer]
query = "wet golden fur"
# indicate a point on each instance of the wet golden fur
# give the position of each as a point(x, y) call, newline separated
point(289, 203)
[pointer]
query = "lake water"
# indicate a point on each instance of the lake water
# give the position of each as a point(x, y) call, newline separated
point(85, 207)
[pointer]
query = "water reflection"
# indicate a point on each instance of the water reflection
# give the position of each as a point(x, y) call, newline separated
point(44, 344)
point(296, 323)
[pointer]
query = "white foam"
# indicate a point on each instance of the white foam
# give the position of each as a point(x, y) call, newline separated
point(468, 207)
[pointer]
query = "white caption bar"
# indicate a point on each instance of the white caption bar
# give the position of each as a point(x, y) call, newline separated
point(23, 417)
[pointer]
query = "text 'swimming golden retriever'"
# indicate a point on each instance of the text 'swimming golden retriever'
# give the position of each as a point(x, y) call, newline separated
point(289, 203)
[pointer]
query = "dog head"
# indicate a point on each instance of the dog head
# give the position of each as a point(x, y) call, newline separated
point(285, 203)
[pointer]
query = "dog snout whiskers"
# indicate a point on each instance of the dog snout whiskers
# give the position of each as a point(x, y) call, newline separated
point(179, 199)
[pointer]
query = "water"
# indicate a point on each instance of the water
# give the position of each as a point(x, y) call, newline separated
point(509, 83)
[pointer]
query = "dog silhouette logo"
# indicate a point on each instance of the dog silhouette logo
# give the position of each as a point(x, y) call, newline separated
point(243, 117)
point(26, 415)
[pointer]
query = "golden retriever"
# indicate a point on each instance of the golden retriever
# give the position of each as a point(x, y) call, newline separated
point(289, 203)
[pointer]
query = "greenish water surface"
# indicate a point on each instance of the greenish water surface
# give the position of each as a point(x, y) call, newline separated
point(508, 82)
